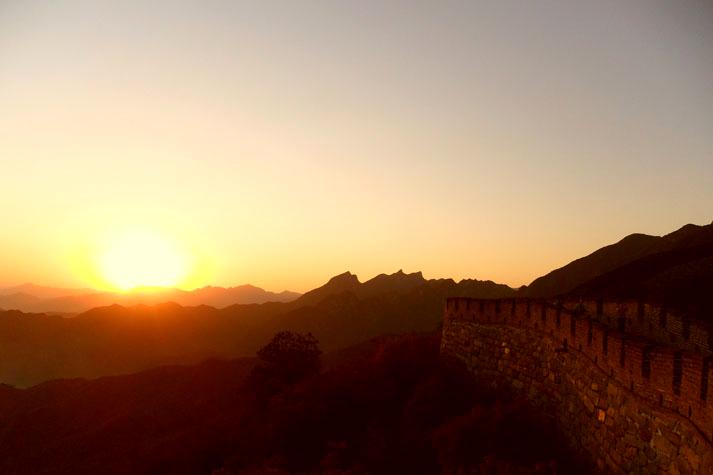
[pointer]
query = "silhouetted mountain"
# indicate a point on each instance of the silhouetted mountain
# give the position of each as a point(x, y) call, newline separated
point(20, 301)
point(116, 339)
point(346, 282)
point(676, 269)
point(567, 278)
point(397, 282)
point(222, 297)
point(49, 300)
point(42, 292)
point(681, 277)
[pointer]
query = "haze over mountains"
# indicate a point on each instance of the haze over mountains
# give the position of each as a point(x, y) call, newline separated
point(187, 327)
point(116, 339)
point(674, 268)
point(38, 299)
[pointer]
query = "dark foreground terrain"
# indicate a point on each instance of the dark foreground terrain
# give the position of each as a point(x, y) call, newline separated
point(386, 406)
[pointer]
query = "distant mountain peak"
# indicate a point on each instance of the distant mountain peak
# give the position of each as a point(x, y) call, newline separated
point(397, 282)
point(345, 277)
point(42, 292)
point(344, 282)
point(413, 275)
point(32, 298)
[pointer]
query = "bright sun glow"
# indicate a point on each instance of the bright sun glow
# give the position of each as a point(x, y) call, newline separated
point(141, 259)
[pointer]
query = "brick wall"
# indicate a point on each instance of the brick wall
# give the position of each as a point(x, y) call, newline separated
point(631, 383)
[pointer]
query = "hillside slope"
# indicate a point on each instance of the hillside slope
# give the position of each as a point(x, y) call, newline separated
point(165, 420)
point(115, 339)
point(679, 277)
point(675, 268)
point(35, 299)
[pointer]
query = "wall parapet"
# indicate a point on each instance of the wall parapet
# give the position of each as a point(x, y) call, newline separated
point(661, 357)
point(652, 321)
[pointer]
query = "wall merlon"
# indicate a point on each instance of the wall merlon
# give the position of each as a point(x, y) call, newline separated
point(582, 326)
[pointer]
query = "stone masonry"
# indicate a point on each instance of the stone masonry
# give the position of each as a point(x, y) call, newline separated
point(629, 384)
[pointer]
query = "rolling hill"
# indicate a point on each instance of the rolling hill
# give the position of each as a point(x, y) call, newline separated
point(117, 339)
point(675, 269)
point(37, 299)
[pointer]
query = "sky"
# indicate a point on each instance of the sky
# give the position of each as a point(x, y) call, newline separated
point(281, 143)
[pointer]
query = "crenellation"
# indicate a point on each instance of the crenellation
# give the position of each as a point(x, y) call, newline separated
point(551, 319)
point(633, 359)
point(691, 382)
point(539, 310)
point(655, 322)
point(707, 398)
point(611, 309)
point(675, 328)
point(663, 318)
point(616, 354)
point(581, 331)
point(706, 380)
point(634, 364)
point(699, 337)
point(661, 380)
point(521, 312)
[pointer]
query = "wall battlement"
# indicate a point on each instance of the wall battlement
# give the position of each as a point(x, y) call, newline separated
point(654, 322)
point(631, 367)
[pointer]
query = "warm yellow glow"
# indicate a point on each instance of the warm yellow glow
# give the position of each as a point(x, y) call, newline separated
point(141, 259)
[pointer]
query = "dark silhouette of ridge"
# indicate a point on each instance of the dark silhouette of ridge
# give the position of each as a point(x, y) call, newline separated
point(567, 278)
point(117, 339)
point(397, 282)
point(675, 269)
point(37, 299)
point(680, 277)
point(346, 282)
point(42, 292)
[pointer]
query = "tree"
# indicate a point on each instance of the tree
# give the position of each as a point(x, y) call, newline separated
point(288, 359)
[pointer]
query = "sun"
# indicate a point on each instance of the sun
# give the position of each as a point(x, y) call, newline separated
point(142, 259)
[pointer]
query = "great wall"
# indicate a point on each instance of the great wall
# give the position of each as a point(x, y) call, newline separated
point(629, 383)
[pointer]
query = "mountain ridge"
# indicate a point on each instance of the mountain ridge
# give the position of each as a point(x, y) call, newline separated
point(674, 269)
point(75, 301)
point(116, 339)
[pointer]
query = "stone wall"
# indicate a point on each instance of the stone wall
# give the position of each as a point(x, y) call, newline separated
point(655, 322)
point(622, 392)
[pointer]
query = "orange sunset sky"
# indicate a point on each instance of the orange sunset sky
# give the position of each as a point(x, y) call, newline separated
point(195, 143)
